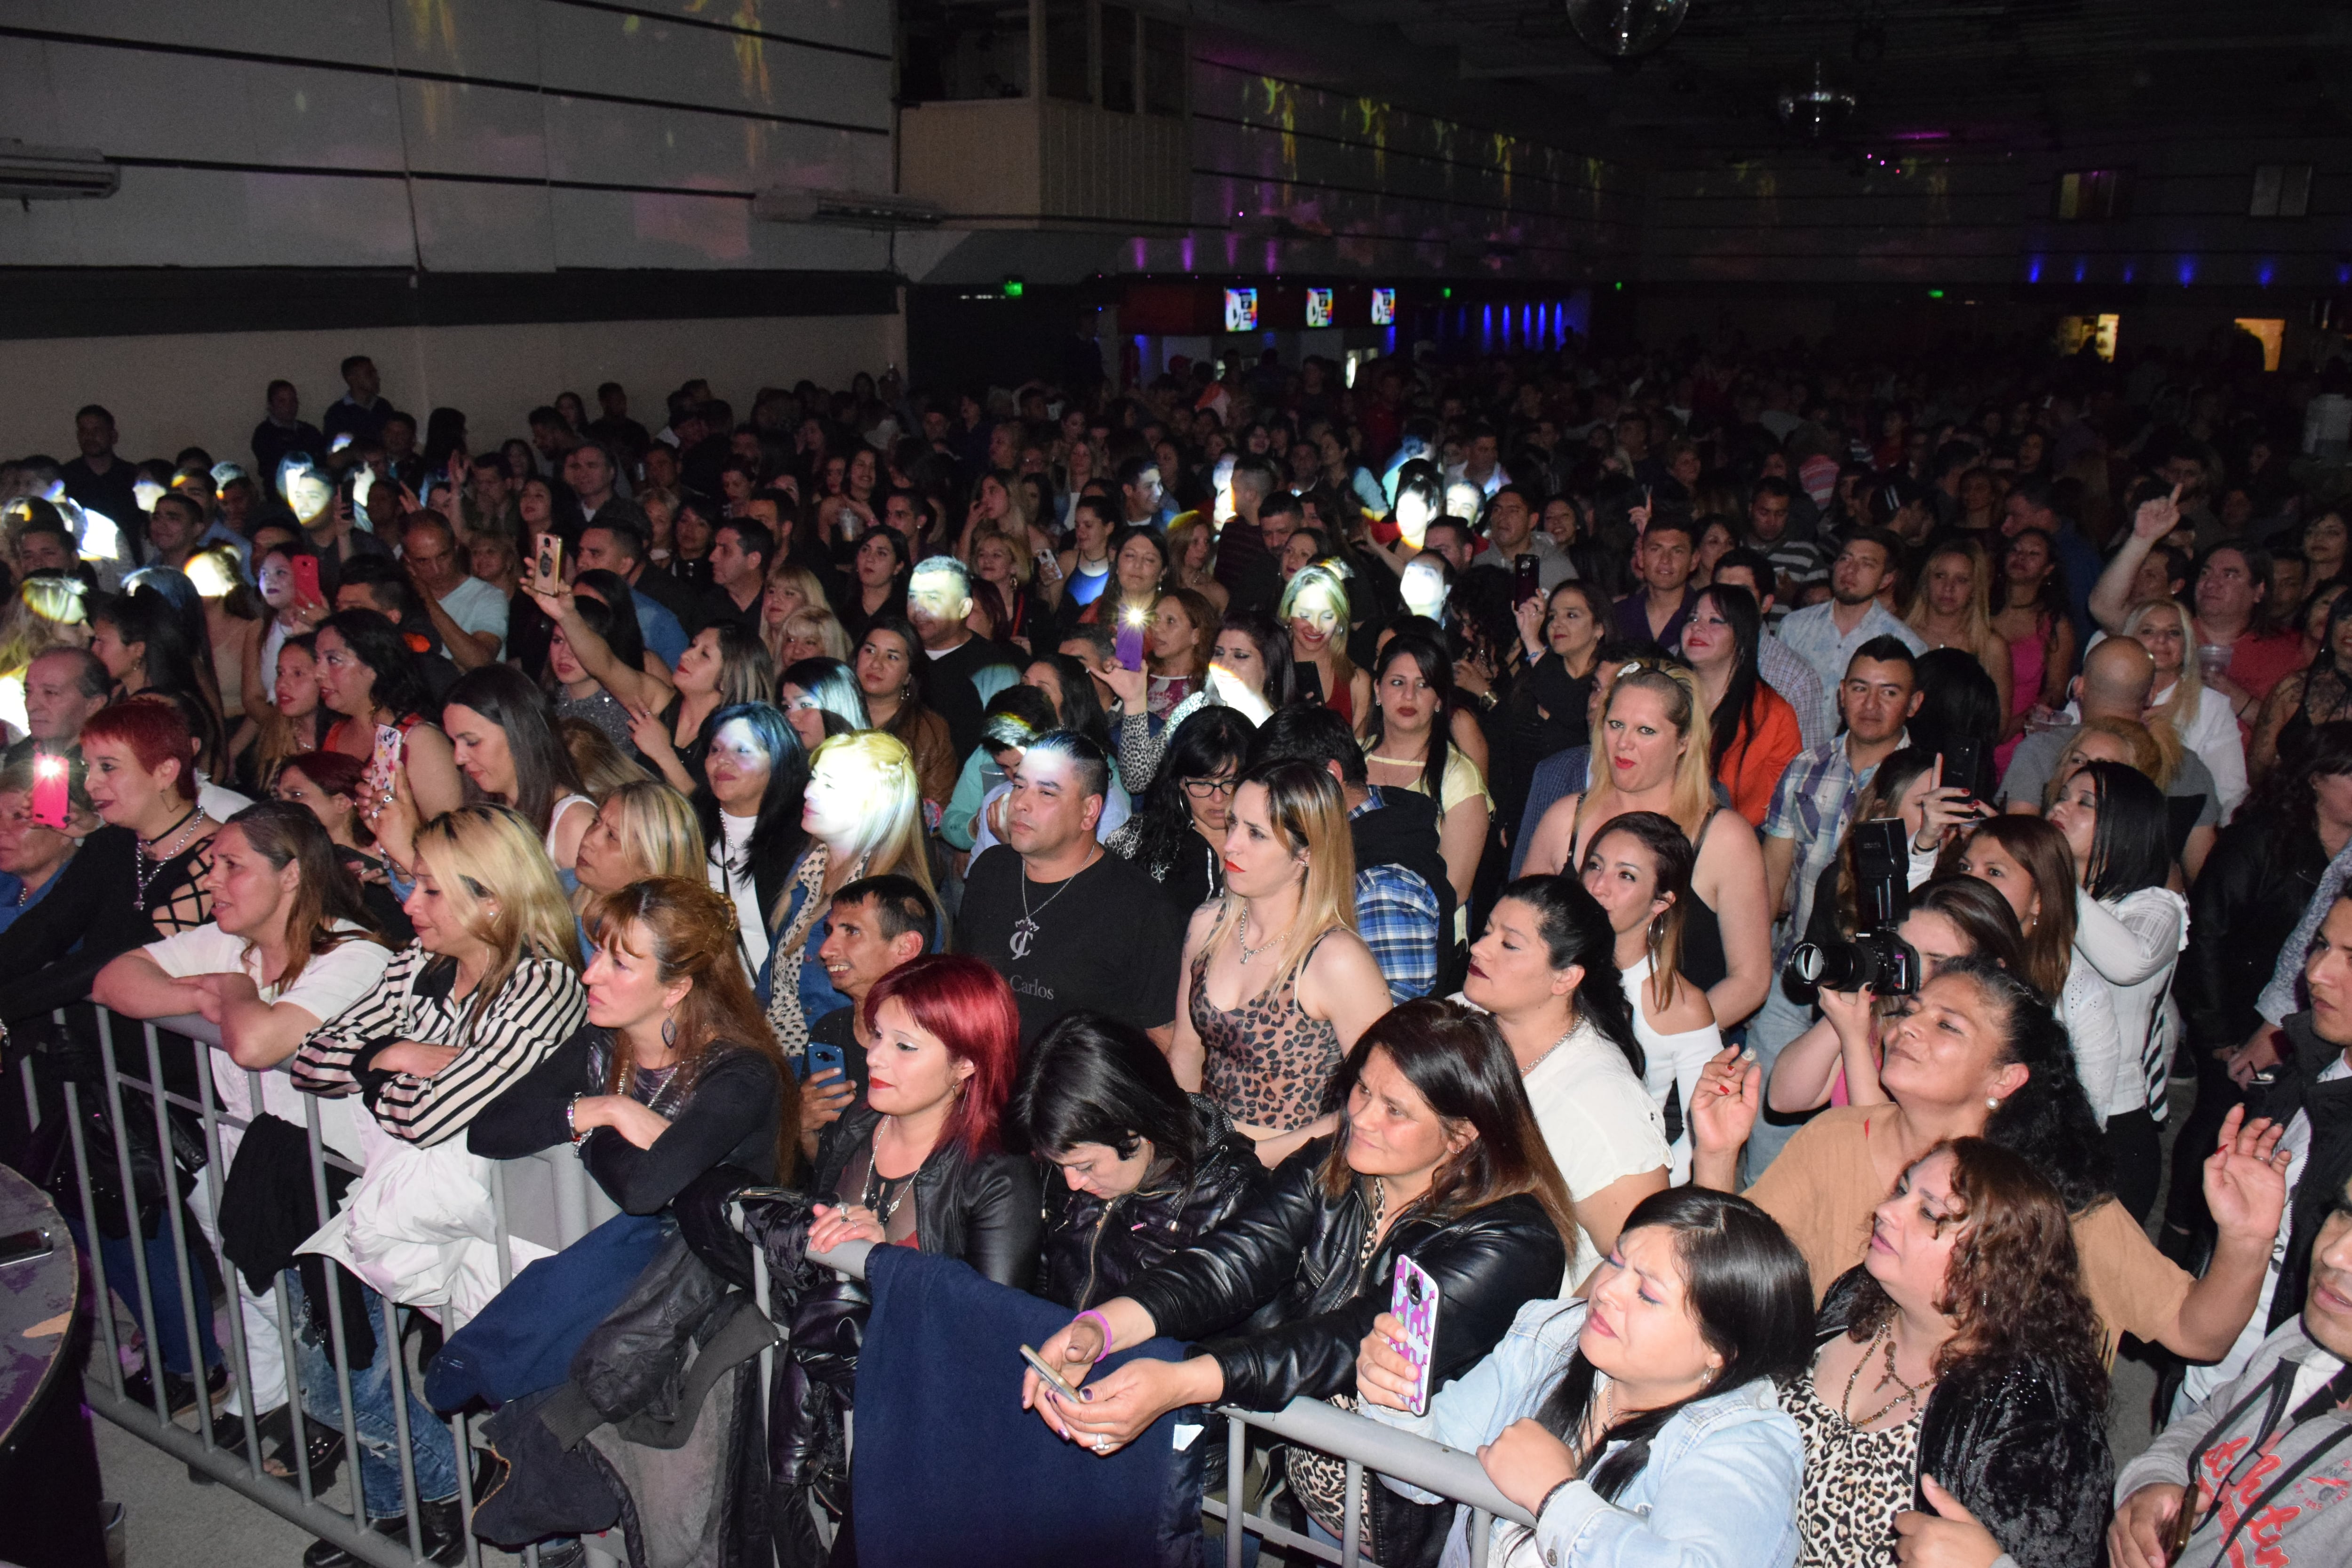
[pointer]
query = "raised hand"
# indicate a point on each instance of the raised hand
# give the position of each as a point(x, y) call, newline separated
point(2156, 517)
point(2245, 1177)
point(1723, 1107)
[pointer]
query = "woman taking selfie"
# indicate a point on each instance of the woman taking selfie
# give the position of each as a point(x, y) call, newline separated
point(1178, 835)
point(2130, 927)
point(1412, 707)
point(1958, 1396)
point(1639, 870)
point(1275, 986)
point(723, 667)
point(1656, 742)
point(1146, 1170)
point(366, 676)
point(1643, 1423)
point(1753, 734)
point(1542, 969)
point(1980, 1055)
point(921, 1162)
point(1440, 1161)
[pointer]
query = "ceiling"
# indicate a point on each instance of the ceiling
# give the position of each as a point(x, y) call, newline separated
point(1994, 76)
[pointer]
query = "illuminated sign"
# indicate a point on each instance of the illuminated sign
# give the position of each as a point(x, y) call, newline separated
point(1240, 310)
point(1383, 306)
point(1318, 307)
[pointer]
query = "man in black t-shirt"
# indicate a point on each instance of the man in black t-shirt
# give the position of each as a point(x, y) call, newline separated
point(1066, 923)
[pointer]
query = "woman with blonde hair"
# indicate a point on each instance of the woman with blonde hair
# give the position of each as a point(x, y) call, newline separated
point(790, 590)
point(2163, 626)
point(1006, 606)
point(863, 813)
point(2153, 750)
point(1192, 559)
point(1315, 607)
point(1275, 986)
point(1952, 607)
point(1654, 739)
point(642, 829)
point(814, 632)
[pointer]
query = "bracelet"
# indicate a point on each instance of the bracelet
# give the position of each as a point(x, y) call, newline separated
point(570, 1111)
point(1101, 1322)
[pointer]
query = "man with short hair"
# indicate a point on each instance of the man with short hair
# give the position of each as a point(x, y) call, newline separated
point(172, 530)
point(361, 412)
point(1782, 671)
point(658, 597)
point(874, 925)
point(588, 469)
point(1450, 538)
point(31, 853)
point(965, 670)
point(281, 433)
point(1798, 563)
point(490, 505)
point(621, 435)
point(63, 687)
point(2116, 679)
point(1404, 902)
point(469, 613)
point(1251, 575)
point(1663, 561)
point(1482, 462)
point(1812, 805)
point(551, 438)
point(47, 546)
point(1827, 636)
point(1511, 532)
point(1068, 924)
point(740, 549)
point(100, 480)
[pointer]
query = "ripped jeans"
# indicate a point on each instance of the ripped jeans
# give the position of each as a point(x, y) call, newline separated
point(431, 1449)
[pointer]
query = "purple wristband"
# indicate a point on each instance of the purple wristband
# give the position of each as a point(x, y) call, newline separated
point(1110, 1340)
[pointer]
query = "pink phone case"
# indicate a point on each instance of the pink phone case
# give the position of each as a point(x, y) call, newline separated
point(385, 763)
point(1413, 1299)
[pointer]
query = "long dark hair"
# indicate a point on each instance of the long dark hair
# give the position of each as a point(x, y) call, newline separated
point(2049, 1119)
point(2013, 1284)
point(1273, 649)
point(544, 771)
point(778, 830)
point(1575, 930)
point(375, 642)
point(619, 628)
point(1207, 742)
point(1751, 1294)
point(1979, 914)
point(1958, 702)
point(1437, 669)
point(2283, 800)
point(1093, 1079)
point(1455, 1058)
point(1729, 721)
point(1898, 771)
point(2131, 846)
point(1081, 708)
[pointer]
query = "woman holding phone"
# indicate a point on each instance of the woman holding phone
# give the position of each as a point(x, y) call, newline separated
point(366, 676)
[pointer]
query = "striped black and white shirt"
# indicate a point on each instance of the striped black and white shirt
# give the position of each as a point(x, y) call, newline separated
point(537, 1009)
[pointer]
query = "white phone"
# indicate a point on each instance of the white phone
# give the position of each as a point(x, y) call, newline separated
point(1053, 1379)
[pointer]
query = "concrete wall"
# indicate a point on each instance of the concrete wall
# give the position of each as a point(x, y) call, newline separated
point(167, 392)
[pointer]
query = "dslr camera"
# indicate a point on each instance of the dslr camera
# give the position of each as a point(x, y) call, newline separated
point(1877, 958)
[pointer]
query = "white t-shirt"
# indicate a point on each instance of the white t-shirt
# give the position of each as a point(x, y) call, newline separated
point(478, 607)
point(730, 873)
point(329, 983)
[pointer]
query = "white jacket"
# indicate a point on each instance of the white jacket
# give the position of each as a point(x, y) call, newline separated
point(418, 1229)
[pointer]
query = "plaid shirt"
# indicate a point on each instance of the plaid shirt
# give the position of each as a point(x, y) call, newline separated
point(1812, 805)
point(1396, 914)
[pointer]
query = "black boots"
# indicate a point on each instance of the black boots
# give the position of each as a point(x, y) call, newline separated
point(440, 1525)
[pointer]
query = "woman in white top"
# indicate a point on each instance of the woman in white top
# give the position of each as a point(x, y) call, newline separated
point(1639, 867)
point(505, 744)
point(2131, 928)
point(1544, 968)
point(755, 778)
point(2209, 729)
point(2026, 861)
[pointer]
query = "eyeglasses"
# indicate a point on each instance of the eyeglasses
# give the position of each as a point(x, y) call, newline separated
point(1204, 789)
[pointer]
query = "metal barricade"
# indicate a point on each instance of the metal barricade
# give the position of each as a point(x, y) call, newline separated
point(1362, 1444)
point(553, 1204)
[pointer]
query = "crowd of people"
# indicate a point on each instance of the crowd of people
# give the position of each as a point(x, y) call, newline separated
point(1713, 862)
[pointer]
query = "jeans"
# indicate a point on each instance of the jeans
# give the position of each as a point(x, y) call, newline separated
point(164, 1281)
point(1775, 1026)
point(430, 1447)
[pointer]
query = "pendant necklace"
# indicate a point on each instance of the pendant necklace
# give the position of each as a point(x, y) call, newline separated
point(1241, 939)
point(1024, 930)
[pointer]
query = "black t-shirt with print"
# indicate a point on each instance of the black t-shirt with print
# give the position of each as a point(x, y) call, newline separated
point(1106, 939)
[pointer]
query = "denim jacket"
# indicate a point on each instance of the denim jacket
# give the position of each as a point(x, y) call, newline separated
point(1720, 1489)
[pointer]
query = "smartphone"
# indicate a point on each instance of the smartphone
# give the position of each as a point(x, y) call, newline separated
point(385, 763)
point(25, 1246)
point(1961, 760)
point(1413, 1299)
point(819, 1059)
point(1126, 643)
point(550, 560)
point(306, 578)
point(1526, 580)
point(1051, 1378)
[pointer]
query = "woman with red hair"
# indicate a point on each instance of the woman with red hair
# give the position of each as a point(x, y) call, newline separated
point(139, 877)
point(921, 1164)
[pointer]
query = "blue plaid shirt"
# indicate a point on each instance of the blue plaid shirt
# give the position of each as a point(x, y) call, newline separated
point(1812, 805)
point(1396, 914)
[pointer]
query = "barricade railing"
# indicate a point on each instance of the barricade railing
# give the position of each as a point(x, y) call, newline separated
point(546, 1200)
point(1360, 1444)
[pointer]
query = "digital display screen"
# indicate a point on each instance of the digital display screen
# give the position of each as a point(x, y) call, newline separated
point(1240, 310)
point(1318, 307)
point(1383, 306)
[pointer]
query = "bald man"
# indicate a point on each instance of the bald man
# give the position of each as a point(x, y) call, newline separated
point(2118, 675)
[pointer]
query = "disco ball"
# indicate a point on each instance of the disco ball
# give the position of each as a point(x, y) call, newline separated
point(1816, 112)
point(1624, 28)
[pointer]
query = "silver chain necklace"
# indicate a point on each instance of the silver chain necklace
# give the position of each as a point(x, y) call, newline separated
point(1024, 930)
point(149, 861)
point(1241, 939)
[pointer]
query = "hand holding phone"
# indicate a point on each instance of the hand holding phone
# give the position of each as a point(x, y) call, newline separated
point(1049, 1377)
point(1412, 1301)
point(550, 562)
point(821, 1060)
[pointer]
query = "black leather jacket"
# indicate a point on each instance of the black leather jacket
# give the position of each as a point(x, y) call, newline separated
point(987, 1211)
point(2244, 906)
point(1094, 1247)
